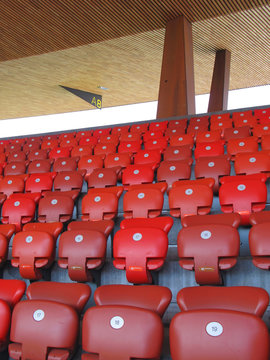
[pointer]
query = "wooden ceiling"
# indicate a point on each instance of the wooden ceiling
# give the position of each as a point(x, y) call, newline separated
point(118, 44)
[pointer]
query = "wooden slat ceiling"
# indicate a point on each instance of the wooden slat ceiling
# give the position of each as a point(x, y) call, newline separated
point(118, 44)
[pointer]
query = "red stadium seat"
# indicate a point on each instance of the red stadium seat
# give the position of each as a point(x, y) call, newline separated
point(65, 164)
point(68, 181)
point(236, 133)
point(15, 168)
point(243, 194)
point(244, 121)
point(17, 156)
point(253, 300)
point(259, 217)
point(6, 232)
point(208, 248)
point(80, 251)
point(128, 137)
point(244, 145)
point(40, 166)
point(68, 143)
point(153, 135)
point(39, 183)
point(137, 174)
point(82, 133)
point(158, 126)
point(261, 130)
point(75, 295)
point(11, 184)
point(109, 139)
point(101, 204)
point(261, 113)
point(223, 219)
point(99, 132)
point(196, 129)
point(20, 141)
point(118, 130)
point(88, 140)
point(13, 148)
point(89, 163)
point(121, 332)
point(55, 208)
point(164, 223)
point(50, 137)
point(105, 177)
point(174, 131)
point(149, 297)
point(139, 250)
point(171, 171)
point(30, 146)
point(221, 125)
point(215, 148)
point(186, 139)
point(104, 149)
point(115, 160)
point(241, 115)
point(259, 245)
point(54, 229)
point(5, 314)
point(59, 152)
point(265, 142)
point(252, 163)
point(129, 147)
point(18, 210)
point(156, 144)
point(205, 334)
point(11, 291)
point(177, 153)
point(208, 136)
point(178, 123)
point(219, 117)
point(37, 155)
point(147, 157)
point(139, 128)
point(81, 150)
point(143, 203)
point(191, 197)
point(43, 329)
point(49, 144)
point(66, 136)
point(199, 120)
point(31, 252)
point(214, 167)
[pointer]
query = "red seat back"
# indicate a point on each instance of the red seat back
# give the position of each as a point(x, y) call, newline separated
point(171, 171)
point(40, 166)
point(259, 245)
point(252, 163)
point(137, 174)
point(65, 164)
point(18, 210)
point(55, 208)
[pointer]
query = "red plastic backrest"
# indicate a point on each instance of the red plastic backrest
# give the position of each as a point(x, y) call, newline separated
point(55, 208)
point(113, 160)
point(37, 155)
point(223, 219)
point(164, 223)
point(215, 148)
point(54, 229)
point(89, 163)
point(99, 205)
point(221, 125)
point(49, 144)
point(104, 226)
point(219, 117)
point(109, 139)
point(158, 126)
point(129, 146)
point(59, 152)
point(243, 145)
point(68, 180)
point(260, 129)
point(100, 178)
point(5, 315)
point(177, 153)
point(81, 150)
point(65, 164)
point(252, 163)
point(40, 182)
point(171, 171)
point(88, 140)
point(213, 330)
point(121, 332)
point(153, 135)
point(99, 132)
point(137, 174)
point(18, 211)
point(11, 184)
point(104, 149)
point(40, 166)
point(139, 128)
point(177, 123)
point(118, 130)
point(186, 139)
point(208, 136)
point(15, 168)
point(11, 291)
point(3, 249)
point(145, 157)
point(236, 133)
point(259, 245)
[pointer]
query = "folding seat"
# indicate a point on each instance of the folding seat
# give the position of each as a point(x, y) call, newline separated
point(89, 163)
point(100, 178)
point(261, 130)
point(171, 171)
point(243, 121)
point(109, 139)
point(219, 117)
point(152, 135)
point(249, 299)
point(31, 146)
point(177, 153)
point(121, 332)
point(128, 137)
point(11, 184)
point(31, 252)
point(18, 210)
point(6, 232)
point(68, 143)
point(221, 125)
point(241, 115)
point(66, 136)
point(150, 297)
point(55, 208)
point(40, 166)
point(68, 183)
point(4, 142)
point(50, 137)
point(37, 155)
point(81, 150)
point(174, 131)
point(137, 174)
point(233, 220)
point(15, 168)
point(88, 140)
point(236, 133)
point(143, 202)
point(157, 144)
point(54, 229)
point(191, 197)
point(40, 182)
point(213, 167)
point(259, 244)
point(205, 334)
point(80, 251)
point(252, 163)
point(147, 157)
point(17, 156)
point(243, 194)
point(164, 223)
point(208, 136)
point(265, 142)
point(104, 149)
point(139, 128)
point(199, 120)
point(82, 133)
point(196, 129)
point(138, 251)
point(10, 148)
point(43, 329)
point(158, 126)
point(116, 160)
point(58, 152)
point(99, 132)
point(244, 145)
point(17, 141)
point(49, 144)
point(261, 114)
point(101, 204)
point(186, 139)
point(215, 148)
point(118, 130)
point(207, 249)
point(129, 147)
point(179, 123)
point(65, 164)
point(103, 226)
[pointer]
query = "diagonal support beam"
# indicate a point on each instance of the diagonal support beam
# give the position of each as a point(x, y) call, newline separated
point(176, 90)
point(218, 100)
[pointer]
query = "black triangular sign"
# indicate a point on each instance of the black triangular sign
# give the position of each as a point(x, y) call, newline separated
point(91, 98)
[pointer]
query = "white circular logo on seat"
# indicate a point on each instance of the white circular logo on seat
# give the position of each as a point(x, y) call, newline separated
point(177, 122)
point(30, 145)
point(235, 131)
point(242, 143)
point(152, 134)
point(13, 166)
point(87, 140)
point(265, 128)
point(97, 199)
point(129, 136)
point(68, 141)
point(65, 136)
point(198, 120)
point(220, 124)
point(89, 161)
point(206, 234)
point(154, 142)
point(136, 172)
point(141, 195)
point(173, 131)
point(241, 187)
point(128, 145)
point(37, 180)
point(211, 164)
point(208, 148)
point(9, 182)
point(189, 192)
point(104, 147)
point(214, 328)
point(180, 139)
point(138, 127)
point(116, 158)
point(29, 239)
point(245, 121)
point(79, 238)
point(176, 152)
point(137, 236)
point(100, 131)
point(17, 203)
point(16, 155)
point(242, 114)
point(58, 151)
point(196, 127)
point(38, 165)
point(67, 178)
point(101, 175)
point(80, 149)
point(36, 153)
point(38, 315)
point(108, 138)
point(219, 117)
point(64, 162)
point(12, 147)
point(157, 125)
point(207, 135)
point(54, 202)
point(252, 159)
point(172, 168)
point(146, 155)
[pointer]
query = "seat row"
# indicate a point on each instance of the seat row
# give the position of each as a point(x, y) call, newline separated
point(206, 245)
point(127, 322)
